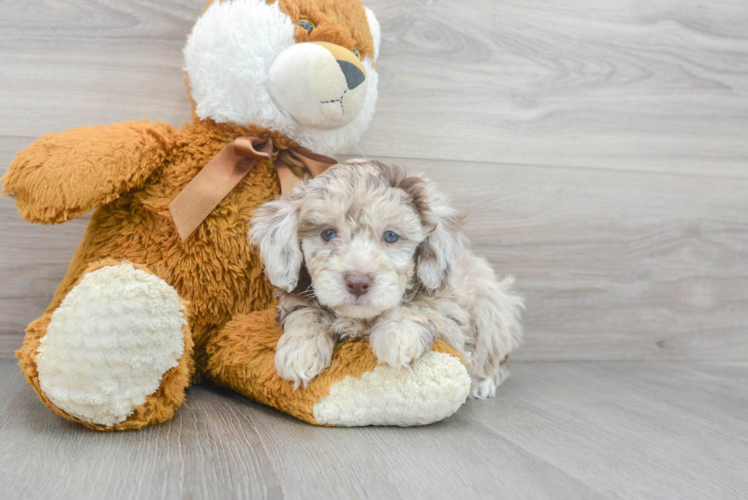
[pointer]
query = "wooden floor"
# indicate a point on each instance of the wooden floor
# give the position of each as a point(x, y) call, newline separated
point(556, 430)
point(601, 151)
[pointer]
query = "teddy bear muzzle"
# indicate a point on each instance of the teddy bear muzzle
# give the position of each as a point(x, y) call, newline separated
point(319, 84)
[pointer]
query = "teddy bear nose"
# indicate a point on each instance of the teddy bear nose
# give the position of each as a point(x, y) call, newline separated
point(358, 284)
point(353, 76)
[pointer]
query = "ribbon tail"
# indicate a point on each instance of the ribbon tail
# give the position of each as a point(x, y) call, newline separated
point(287, 179)
point(215, 181)
point(227, 169)
point(203, 194)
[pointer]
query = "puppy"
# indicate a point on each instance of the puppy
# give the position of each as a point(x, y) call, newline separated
point(364, 250)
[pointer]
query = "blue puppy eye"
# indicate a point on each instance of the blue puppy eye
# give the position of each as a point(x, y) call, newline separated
point(329, 234)
point(390, 237)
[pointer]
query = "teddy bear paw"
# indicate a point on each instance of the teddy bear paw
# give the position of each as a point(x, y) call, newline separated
point(109, 344)
point(434, 387)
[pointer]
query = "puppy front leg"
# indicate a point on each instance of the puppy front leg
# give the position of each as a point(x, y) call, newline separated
point(401, 335)
point(305, 348)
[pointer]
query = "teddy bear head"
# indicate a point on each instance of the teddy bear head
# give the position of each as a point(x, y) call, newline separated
point(304, 68)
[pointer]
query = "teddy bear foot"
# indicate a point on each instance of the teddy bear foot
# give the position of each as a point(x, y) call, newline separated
point(353, 391)
point(431, 389)
point(111, 356)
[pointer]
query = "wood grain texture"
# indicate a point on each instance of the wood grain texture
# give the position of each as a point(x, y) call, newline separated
point(629, 85)
point(556, 430)
point(621, 84)
point(614, 265)
point(601, 151)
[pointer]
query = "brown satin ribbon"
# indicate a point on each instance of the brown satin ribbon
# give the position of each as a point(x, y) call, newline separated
point(216, 180)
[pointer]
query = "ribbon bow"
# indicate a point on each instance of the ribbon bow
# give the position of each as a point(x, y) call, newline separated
point(216, 180)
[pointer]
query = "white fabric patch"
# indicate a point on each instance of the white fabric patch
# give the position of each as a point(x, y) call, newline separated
point(330, 142)
point(307, 81)
point(227, 58)
point(109, 343)
point(432, 389)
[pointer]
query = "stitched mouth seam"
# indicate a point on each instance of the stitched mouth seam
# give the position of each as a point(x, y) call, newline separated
point(342, 107)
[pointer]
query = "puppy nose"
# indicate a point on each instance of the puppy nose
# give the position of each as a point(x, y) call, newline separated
point(358, 284)
point(353, 76)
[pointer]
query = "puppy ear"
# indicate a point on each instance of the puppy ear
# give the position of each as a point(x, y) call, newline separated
point(441, 250)
point(274, 228)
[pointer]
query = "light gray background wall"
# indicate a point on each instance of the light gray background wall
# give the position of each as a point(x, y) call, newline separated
point(602, 153)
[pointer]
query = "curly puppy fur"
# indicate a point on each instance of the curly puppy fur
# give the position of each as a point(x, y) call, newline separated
point(338, 276)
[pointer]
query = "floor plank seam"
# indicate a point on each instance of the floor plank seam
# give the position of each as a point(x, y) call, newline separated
point(553, 166)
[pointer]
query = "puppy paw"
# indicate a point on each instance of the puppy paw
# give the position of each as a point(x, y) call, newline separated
point(398, 342)
point(300, 358)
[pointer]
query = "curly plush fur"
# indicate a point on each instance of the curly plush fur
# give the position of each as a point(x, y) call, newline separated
point(364, 250)
point(128, 174)
point(229, 77)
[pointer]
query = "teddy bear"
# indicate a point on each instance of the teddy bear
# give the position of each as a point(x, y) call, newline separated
point(165, 290)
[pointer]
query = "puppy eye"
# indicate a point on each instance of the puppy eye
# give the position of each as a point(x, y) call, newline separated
point(307, 25)
point(355, 53)
point(390, 237)
point(329, 234)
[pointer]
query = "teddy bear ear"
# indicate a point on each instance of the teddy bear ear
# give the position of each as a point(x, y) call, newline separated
point(376, 31)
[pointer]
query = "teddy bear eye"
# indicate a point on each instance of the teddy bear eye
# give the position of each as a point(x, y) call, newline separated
point(390, 237)
point(328, 234)
point(307, 25)
point(355, 53)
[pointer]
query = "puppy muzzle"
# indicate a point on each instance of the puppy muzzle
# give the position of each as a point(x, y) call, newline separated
point(319, 84)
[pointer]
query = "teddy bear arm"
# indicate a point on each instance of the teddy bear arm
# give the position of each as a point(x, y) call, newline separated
point(63, 176)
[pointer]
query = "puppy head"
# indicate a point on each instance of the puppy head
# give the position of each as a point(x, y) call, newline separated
point(365, 232)
point(303, 68)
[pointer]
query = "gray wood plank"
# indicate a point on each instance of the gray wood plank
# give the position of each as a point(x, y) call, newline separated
point(614, 265)
point(556, 430)
point(201, 453)
point(70, 64)
point(624, 85)
point(620, 84)
point(657, 428)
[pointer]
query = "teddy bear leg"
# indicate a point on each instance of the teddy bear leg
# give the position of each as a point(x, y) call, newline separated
point(116, 354)
point(352, 391)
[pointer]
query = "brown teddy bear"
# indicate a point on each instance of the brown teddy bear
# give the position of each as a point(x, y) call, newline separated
point(164, 289)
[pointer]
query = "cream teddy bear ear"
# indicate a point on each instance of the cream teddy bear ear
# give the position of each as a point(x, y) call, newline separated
point(376, 31)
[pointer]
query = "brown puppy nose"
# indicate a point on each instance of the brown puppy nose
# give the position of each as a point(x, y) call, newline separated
point(358, 284)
